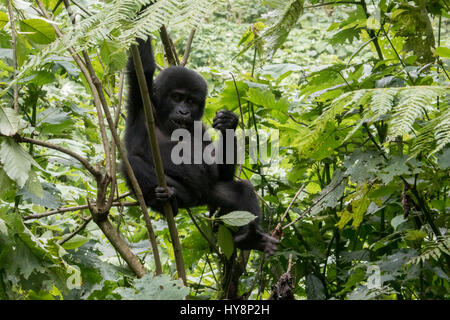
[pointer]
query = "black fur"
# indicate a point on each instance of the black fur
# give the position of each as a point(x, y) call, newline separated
point(178, 95)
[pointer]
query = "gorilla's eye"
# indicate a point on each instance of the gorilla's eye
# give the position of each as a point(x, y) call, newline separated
point(177, 97)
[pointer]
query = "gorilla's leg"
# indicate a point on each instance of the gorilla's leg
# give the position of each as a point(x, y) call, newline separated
point(240, 195)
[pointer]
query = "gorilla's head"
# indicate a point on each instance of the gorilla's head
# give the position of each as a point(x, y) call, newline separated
point(179, 98)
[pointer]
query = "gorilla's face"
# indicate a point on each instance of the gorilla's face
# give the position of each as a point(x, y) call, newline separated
point(179, 99)
point(185, 108)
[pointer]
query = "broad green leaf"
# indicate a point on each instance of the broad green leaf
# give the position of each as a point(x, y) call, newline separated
point(44, 195)
point(360, 202)
point(9, 121)
point(225, 240)
point(38, 31)
point(52, 116)
point(330, 196)
point(314, 288)
point(3, 19)
point(277, 71)
point(415, 235)
point(34, 186)
point(398, 220)
point(154, 288)
point(16, 161)
point(443, 52)
point(5, 182)
point(76, 242)
point(394, 169)
point(39, 78)
point(237, 218)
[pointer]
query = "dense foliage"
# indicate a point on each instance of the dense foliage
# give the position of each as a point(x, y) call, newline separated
point(358, 193)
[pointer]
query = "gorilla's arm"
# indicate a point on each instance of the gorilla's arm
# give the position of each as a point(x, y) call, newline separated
point(223, 121)
point(134, 93)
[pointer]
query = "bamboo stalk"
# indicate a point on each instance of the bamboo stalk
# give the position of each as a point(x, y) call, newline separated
point(157, 160)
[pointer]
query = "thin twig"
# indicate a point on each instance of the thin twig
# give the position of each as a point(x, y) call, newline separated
point(169, 49)
point(119, 100)
point(76, 231)
point(242, 116)
point(187, 51)
point(76, 208)
point(14, 49)
point(315, 203)
point(211, 244)
point(83, 161)
point(81, 7)
point(330, 4)
point(292, 202)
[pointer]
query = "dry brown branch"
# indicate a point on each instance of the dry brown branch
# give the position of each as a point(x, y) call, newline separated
point(187, 51)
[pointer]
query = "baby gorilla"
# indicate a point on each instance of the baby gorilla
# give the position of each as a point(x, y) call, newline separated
point(178, 95)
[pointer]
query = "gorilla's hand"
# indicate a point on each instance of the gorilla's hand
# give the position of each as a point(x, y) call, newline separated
point(253, 237)
point(162, 195)
point(225, 119)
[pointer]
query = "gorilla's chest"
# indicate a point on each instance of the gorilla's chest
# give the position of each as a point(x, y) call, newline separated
point(191, 163)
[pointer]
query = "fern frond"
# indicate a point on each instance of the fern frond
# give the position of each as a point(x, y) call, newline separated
point(121, 21)
point(442, 134)
point(433, 250)
point(400, 107)
point(277, 34)
point(381, 103)
point(413, 104)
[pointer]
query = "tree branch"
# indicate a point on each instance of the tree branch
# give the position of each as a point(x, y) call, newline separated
point(79, 229)
point(96, 88)
point(157, 160)
point(169, 49)
point(76, 208)
point(188, 48)
point(96, 173)
point(14, 49)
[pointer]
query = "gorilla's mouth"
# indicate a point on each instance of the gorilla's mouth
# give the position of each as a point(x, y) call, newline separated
point(180, 123)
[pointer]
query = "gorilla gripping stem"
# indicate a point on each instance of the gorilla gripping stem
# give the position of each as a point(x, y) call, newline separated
point(157, 161)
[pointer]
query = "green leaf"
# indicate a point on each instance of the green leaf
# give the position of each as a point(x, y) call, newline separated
point(52, 116)
point(394, 169)
point(154, 288)
point(330, 196)
point(237, 218)
point(39, 78)
point(314, 288)
point(9, 121)
point(5, 182)
point(16, 161)
point(225, 241)
point(34, 186)
point(76, 242)
point(3, 19)
point(44, 195)
point(38, 31)
point(443, 52)
point(281, 70)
